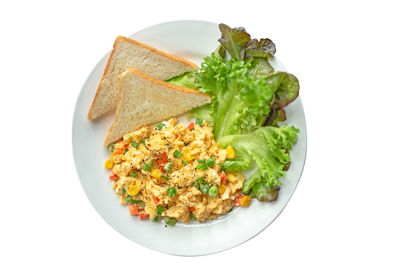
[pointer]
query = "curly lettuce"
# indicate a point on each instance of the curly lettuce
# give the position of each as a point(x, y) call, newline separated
point(269, 148)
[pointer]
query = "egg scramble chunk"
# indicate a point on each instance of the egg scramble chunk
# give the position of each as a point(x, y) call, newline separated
point(172, 172)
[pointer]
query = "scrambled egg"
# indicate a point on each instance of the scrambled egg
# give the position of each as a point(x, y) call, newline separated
point(172, 171)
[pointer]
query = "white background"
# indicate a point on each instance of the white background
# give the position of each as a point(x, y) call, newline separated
point(345, 211)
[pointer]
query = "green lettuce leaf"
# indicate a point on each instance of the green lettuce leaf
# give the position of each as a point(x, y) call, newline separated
point(269, 148)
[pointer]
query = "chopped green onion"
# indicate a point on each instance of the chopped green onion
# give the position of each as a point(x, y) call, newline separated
point(213, 191)
point(123, 190)
point(111, 148)
point(143, 142)
point(169, 221)
point(177, 154)
point(133, 174)
point(155, 219)
point(148, 166)
point(168, 144)
point(184, 162)
point(129, 200)
point(203, 165)
point(191, 215)
point(134, 144)
point(211, 161)
point(171, 191)
point(166, 178)
point(196, 185)
point(201, 180)
point(168, 167)
point(199, 121)
point(140, 203)
point(204, 188)
point(160, 209)
point(160, 126)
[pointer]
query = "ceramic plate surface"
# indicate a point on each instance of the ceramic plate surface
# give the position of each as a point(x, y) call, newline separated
point(191, 40)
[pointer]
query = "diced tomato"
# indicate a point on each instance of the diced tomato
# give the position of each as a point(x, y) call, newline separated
point(155, 199)
point(222, 175)
point(192, 209)
point(237, 200)
point(162, 160)
point(133, 209)
point(191, 126)
point(113, 177)
point(143, 216)
point(161, 167)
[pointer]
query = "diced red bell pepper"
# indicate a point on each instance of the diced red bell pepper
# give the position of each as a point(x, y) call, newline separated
point(133, 209)
point(143, 216)
point(119, 151)
point(155, 199)
point(113, 177)
point(222, 175)
point(237, 201)
point(191, 126)
point(192, 209)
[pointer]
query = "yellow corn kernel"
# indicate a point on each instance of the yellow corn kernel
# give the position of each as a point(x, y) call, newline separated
point(245, 202)
point(133, 190)
point(156, 173)
point(109, 164)
point(187, 155)
point(232, 178)
point(222, 189)
point(230, 152)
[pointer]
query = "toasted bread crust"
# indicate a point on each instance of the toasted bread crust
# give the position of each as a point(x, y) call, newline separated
point(155, 50)
point(160, 52)
point(151, 79)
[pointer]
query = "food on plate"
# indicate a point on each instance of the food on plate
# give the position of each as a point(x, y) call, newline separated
point(173, 172)
point(128, 53)
point(145, 100)
point(248, 101)
point(177, 173)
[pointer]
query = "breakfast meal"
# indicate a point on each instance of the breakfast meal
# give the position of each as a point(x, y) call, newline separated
point(165, 170)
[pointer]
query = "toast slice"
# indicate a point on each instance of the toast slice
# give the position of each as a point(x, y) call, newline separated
point(128, 53)
point(144, 100)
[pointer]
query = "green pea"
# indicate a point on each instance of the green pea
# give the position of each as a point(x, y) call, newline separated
point(168, 167)
point(213, 191)
point(204, 188)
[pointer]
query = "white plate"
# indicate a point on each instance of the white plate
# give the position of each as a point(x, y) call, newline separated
point(191, 40)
